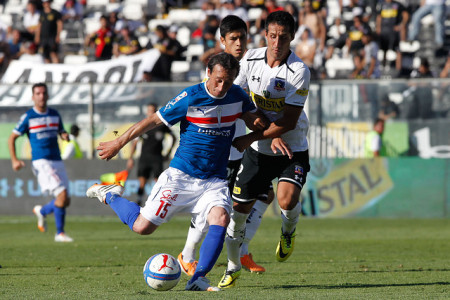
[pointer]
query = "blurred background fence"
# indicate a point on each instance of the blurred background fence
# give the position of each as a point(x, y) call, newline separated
point(410, 180)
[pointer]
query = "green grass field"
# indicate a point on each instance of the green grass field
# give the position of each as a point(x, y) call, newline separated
point(333, 259)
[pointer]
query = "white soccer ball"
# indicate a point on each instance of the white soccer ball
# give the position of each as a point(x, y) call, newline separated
point(162, 272)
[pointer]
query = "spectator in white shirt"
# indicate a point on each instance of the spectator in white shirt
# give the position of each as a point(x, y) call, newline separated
point(30, 21)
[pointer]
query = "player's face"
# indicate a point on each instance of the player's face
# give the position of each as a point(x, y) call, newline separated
point(235, 43)
point(278, 42)
point(40, 97)
point(220, 80)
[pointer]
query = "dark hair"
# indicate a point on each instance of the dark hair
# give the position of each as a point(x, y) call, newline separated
point(282, 18)
point(74, 130)
point(378, 120)
point(424, 62)
point(225, 60)
point(231, 23)
point(40, 84)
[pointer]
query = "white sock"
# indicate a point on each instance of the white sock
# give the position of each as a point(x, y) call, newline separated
point(193, 239)
point(234, 238)
point(290, 218)
point(253, 223)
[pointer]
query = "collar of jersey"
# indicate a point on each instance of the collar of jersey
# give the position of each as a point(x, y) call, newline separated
point(40, 113)
point(206, 89)
point(282, 62)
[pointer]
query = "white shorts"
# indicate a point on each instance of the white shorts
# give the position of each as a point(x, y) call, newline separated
point(51, 176)
point(177, 192)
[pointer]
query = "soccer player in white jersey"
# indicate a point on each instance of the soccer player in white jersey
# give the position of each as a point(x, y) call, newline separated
point(278, 82)
point(195, 182)
point(233, 36)
point(42, 126)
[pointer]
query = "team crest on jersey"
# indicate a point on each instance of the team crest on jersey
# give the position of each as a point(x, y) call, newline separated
point(175, 100)
point(303, 92)
point(279, 85)
point(266, 94)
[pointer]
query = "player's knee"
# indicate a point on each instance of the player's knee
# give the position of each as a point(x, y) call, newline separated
point(143, 227)
point(218, 216)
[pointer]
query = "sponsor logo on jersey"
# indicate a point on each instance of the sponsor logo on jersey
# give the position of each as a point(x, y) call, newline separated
point(225, 133)
point(258, 79)
point(271, 104)
point(279, 85)
point(202, 110)
point(237, 190)
point(175, 100)
point(302, 92)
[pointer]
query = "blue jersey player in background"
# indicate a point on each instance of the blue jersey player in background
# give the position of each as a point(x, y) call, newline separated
point(195, 181)
point(42, 125)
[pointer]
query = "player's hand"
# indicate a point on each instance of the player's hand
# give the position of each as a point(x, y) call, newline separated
point(241, 143)
point(279, 144)
point(261, 124)
point(108, 150)
point(17, 165)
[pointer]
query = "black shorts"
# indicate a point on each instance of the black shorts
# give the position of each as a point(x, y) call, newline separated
point(389, 41)
point(232, 170)
point(149, 167)
point(258, 170)
point(48, 47)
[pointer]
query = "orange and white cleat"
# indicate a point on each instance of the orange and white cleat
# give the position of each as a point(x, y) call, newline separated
point(188, 268)
point(42, 223)
point(248, 264)
point(100, 190)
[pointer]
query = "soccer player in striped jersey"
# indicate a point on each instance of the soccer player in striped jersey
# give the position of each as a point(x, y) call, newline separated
point(233, 36)
point(195, 181)
point(42, 126)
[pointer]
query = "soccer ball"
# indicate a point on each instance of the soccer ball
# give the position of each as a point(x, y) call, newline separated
point(162, 272)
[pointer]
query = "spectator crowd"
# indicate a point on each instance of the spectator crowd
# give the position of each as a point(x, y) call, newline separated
point(375, 38)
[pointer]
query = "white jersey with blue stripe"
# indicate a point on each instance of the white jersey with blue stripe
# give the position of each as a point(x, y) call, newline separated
point(207, 126)
point(42, 130)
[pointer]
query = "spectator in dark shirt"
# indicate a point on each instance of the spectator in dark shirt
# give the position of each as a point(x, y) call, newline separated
point(126, 43)
point(392, 18)
point(354, 39)
point(209, 32)
point(15, 44)
point(102, 40)
point(48, 32)
point(169, 49)
point(388, 109)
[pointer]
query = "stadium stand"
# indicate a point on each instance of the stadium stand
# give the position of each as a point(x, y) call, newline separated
point(146, 15)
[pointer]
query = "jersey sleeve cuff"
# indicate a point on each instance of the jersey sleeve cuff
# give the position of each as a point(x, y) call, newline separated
point(163, 120)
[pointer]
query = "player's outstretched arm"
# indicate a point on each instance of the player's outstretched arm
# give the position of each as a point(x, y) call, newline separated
point(15, 162)
point(108, 150)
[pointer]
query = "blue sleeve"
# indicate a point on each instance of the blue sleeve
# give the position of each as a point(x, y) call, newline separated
point(176, 109)
point(60, 125)
point(247, 104)
point(22, 126)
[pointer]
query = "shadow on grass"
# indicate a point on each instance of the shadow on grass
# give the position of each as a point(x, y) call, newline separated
point(355, 285)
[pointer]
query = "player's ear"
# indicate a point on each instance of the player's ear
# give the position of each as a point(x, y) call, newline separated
point(222, 40)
